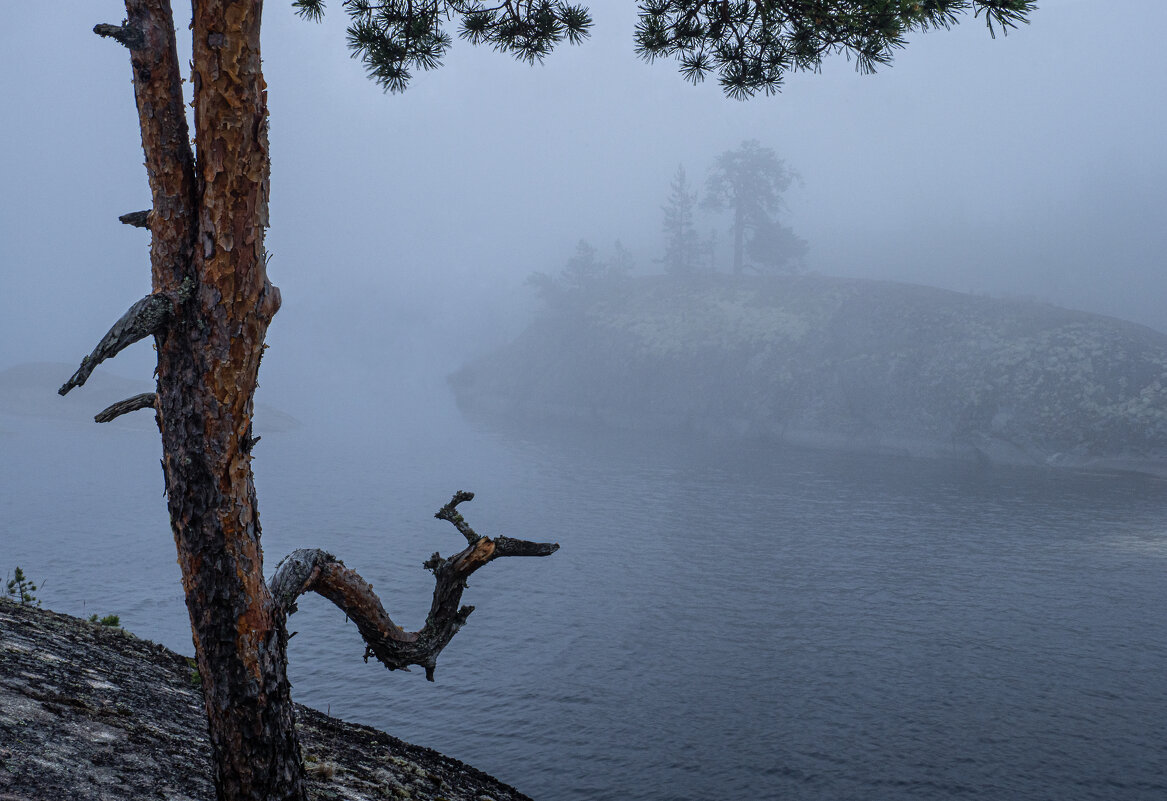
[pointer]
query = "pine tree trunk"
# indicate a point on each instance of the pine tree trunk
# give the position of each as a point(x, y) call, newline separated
point(207, 251)
point(209, 311)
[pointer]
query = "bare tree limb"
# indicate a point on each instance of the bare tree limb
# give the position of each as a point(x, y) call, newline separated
point(138, 219)
point(450, 512)
point(145, 317)
point(314, 570)
point(144, 401)
point(506, 546)
point(128, 35)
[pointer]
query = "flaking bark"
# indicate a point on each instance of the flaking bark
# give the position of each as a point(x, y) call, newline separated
point(207, 235)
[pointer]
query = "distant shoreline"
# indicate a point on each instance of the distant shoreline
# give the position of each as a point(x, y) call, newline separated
point(840, 364)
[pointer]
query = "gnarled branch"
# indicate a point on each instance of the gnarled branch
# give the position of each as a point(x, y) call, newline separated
point(314, 570)
point(148, 315)
point(113, 411)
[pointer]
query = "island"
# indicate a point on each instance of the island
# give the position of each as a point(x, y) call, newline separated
point(840, 363)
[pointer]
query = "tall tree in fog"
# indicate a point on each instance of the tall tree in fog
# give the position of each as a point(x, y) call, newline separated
point(682, 245)
point(749, 181)
point(212, 301)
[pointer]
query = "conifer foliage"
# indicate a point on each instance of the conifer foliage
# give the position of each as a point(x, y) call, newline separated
point(682, 245)
point(394, 36)
point(21, 589)
point(752, 44)
point(749, 181)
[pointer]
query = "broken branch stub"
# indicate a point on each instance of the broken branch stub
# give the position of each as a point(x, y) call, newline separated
point(128, 35)
point(138, 219)
point(506, 546)
point(115, 410)
point(314, 570)
point(148, 316)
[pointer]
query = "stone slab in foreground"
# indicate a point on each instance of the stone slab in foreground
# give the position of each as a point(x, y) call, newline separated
point(89, 713)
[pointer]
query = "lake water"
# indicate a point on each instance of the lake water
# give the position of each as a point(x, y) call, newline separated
point(720, 623)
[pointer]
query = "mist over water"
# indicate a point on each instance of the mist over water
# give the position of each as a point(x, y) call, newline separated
point(1023, 165)
point(738, 622)
point(722, 621)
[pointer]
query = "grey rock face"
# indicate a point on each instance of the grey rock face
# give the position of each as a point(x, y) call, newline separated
point(92, 713)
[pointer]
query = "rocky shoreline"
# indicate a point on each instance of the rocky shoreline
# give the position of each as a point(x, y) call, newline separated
point(92, 713)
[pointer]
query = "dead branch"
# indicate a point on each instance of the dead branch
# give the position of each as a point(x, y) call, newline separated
point(138, 219)
point(113, 411)
point(314, 570)
point(128, 35)
point(147, 316)
point(450, 512)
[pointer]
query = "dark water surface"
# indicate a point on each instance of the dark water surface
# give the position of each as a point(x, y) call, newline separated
point(720, 623)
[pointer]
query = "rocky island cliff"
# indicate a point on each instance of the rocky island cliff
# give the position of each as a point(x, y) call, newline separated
point(92, 713)
point(847, 364)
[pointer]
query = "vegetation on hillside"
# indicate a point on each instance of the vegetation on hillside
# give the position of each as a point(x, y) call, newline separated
point(846, 363)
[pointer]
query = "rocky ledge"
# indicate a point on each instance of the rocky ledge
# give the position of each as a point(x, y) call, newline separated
point(89, 713)
point(849, 364)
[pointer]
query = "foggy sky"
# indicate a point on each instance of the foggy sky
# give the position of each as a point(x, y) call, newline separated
point(1031, 164)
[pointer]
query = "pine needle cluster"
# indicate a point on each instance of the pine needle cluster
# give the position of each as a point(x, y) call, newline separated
point(395, 37)
point(21, 589)
point(752, 44)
